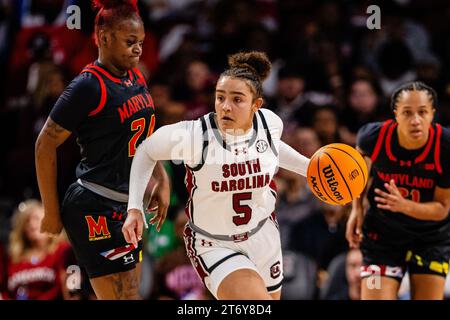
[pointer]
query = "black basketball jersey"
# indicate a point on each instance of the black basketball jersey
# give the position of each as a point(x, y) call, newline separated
point(415, 172)
point(111, 117)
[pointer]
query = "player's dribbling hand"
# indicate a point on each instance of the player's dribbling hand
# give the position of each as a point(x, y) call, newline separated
point(391, 200)
point(353, 232)
point(132, 227)
point(51, 225)
point(159, 201)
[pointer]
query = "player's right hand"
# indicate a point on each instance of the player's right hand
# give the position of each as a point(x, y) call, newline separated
point(51, 225)
point(353, 232)
point(133, 226)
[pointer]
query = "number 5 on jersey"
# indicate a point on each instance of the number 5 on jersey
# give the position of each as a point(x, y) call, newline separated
point(138, 125)
point(244, 212)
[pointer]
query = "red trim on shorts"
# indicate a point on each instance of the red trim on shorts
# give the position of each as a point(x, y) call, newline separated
point(437, 149)
point(427, 148)
point(273, 217)
point(379, 143)
point(102, 102)
point(382, 270)
point(192, 253)
point(190, 186)
point(388, 142)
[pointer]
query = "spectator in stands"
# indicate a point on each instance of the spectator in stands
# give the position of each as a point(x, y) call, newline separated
point(325, 121)
point(35, 268)
point(364, 105)
point(353, 263)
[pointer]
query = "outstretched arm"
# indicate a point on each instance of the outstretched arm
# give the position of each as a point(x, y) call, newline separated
point(50, 138)
point(172, 142)
point(292, 160)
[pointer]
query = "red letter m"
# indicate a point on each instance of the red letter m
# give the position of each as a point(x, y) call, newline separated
point(99, 228)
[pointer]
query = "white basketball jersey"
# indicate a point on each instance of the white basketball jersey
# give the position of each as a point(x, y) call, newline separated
point(231, 190)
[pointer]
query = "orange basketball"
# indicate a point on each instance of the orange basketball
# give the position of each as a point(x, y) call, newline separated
point(337, 174)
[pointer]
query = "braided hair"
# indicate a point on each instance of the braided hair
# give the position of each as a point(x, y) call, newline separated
point(414, 86)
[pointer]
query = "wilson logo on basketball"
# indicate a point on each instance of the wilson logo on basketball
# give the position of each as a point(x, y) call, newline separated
point(341, 173)
point(332, 183)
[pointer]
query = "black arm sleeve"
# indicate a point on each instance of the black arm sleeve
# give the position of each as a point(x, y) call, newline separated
point(80, 97)
point(367, 137)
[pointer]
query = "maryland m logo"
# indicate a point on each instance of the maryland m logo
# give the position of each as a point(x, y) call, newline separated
point(98, 230)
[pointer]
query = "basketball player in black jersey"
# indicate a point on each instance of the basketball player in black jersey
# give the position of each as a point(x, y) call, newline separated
point(110, 109)
point(407, 226)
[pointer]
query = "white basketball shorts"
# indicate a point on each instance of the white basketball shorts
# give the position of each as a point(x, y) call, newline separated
point(215, 259)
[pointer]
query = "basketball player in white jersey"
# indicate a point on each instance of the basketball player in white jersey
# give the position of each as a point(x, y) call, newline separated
point(231, 156)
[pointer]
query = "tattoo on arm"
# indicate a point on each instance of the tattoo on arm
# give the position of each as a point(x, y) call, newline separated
point(52, 129)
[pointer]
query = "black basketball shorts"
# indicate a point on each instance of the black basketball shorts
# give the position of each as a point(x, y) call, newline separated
point(390, 252)
point(94, 227)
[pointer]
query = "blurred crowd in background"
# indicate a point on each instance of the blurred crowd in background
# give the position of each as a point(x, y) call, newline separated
point(330, 75)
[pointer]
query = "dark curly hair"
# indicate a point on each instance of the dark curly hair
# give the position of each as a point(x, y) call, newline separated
point(253, 67)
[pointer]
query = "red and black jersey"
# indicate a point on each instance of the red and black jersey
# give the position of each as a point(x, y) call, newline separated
point(111, 117)
point(416, 172)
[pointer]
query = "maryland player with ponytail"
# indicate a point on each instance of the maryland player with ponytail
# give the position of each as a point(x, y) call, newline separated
point(109, 108)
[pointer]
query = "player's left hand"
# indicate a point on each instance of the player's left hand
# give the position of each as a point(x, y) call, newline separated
point(393, 200)
point(159, 203)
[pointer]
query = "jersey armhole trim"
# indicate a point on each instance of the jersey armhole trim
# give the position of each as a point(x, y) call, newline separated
point(204, 147)
point(389, 142)
point(140, 76)
point(427, 149)
point(269, 136)
point(380, 139)
point(437, 149)
point(105, 73)
point(102, 102)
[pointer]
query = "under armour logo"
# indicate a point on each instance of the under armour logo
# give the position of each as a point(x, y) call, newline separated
point(206, 243)
point(117, 216)
point(243, 150)
point(128, 259)
point(405, 163)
